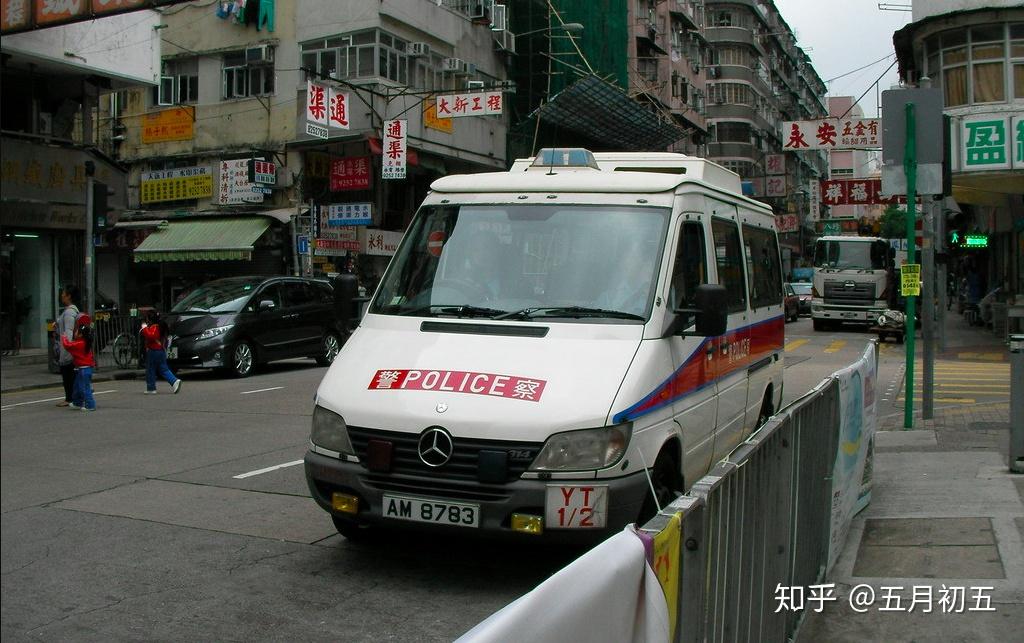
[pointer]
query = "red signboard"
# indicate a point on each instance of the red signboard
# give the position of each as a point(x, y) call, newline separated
point(350, 173)
point(854, 192)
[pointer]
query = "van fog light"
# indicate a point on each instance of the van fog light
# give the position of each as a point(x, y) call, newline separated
point(528, 524)
point(344, 503)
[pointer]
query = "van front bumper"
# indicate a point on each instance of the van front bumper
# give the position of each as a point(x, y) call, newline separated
point(327, 475)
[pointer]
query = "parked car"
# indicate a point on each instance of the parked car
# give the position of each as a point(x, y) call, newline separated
point(791, 304)
point(239, 322)
point(803, 291)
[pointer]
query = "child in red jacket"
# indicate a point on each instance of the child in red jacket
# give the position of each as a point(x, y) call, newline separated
point(80, 348)
point(154, 335)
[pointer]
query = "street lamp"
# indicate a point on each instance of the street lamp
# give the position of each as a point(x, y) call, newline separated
point(568, 27)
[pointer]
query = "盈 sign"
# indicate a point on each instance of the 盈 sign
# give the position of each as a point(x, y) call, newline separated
point(910, 279)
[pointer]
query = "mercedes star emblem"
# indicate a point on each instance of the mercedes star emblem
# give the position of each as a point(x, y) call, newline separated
point(435, 446)
point(441, 408)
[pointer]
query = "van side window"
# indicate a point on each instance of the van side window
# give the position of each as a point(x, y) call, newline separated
point(729, 259)
point(297, 293)
point(690, 268)
point(763, 267)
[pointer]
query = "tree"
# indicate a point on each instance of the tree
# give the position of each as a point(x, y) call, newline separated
point(893, 222)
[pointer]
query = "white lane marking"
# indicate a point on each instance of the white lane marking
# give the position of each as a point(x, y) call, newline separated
point(261, 390)
point(49, 399)
point(267, 470)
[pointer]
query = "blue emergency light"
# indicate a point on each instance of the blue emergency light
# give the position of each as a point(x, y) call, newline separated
point(565, 157)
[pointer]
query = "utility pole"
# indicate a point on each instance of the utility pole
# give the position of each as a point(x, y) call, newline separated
point(910, 170)
point(941, 277)
point(90, 243)
point(928, 308)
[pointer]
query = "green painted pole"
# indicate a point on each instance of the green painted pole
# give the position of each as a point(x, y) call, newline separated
point(910, 169)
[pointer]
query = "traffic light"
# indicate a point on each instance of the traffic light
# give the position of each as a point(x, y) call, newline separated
point(100, 208)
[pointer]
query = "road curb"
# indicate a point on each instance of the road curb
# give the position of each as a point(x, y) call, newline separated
point(127, 375)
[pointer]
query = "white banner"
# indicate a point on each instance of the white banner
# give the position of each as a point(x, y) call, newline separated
point(814, 201)
point(832, 134)
point(470, 104)
point(851, 488)
point(394, 149)
point(338, 114)
point(233, 184)
point(609, 593)
point(316, 103)
point(382, 243)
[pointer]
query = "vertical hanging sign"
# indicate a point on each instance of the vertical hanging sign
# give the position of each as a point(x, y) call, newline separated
point(316, 110)
point(338, 114)
point(394, 152)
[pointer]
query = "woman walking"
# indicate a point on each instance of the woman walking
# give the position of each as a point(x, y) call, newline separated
point(66, 330)
point(154, 334)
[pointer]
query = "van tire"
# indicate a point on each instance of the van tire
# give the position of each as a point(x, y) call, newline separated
point(667, 483)
point(766, 410)
point(243, 359)
point(352, 530)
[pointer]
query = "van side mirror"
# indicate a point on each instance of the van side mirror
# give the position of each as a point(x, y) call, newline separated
point(266, 305)
point(346, 289)
point(710, 311)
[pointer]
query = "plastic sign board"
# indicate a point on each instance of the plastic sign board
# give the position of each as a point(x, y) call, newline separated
point(974, 241)
point(302, 244)
point(1017, 133)
point(175, 124)
point(350, 173)
point(474, 104)
point(382, 243)
point(431, 121)
point(910, 279)
point(345, 214)
point(985, 143)
point(263, 172)
point(775, 164)
point(338, 114)
point(316, 103)
point(233, 184)
point(832, 134)
point(787, 222)
point(832, 228)
point(176, 185)
point(394, 150)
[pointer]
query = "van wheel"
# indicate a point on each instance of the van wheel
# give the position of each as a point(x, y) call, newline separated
point(765, 412)
point(328, 349)
point(352, 530)
point(242, 359)
point(667, 483)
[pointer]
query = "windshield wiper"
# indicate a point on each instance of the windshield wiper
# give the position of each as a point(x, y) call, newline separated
point(463, 310)
point(569, 311)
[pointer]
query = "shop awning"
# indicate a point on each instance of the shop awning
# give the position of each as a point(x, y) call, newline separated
point(203, 240)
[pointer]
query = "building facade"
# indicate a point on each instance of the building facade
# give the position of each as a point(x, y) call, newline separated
point(234, 88)
point(52, 80)
point(973, 51)
point(757, 78)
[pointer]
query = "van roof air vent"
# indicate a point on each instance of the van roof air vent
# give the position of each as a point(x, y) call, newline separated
point(658, 170)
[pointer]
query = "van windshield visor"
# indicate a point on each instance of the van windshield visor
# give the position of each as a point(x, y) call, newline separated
point(216, 297)
point(847, 255)
point(579, 263)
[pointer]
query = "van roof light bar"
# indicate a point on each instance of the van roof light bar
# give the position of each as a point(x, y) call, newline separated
point(563, 157)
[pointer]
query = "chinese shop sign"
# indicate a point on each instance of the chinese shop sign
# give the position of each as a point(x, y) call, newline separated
point(176, 124)
point(233, 184)
point(475, 104)
point(349, 214)
point(832, 134)
point(350, 173)
point(394, 149)
point(326, 108)
point(176, 185)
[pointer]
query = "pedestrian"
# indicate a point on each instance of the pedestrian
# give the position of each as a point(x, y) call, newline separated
point(154, 336)
point(69, 298)
point(80, 348)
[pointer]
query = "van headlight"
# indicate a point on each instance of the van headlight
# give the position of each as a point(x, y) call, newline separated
point(583, 450)
point(210, 333)
point(329, 431)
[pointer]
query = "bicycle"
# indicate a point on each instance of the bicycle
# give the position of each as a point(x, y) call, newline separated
point(124, 347)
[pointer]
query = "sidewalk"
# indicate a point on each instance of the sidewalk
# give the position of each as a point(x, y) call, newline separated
point(22, 373)
point(945, 513)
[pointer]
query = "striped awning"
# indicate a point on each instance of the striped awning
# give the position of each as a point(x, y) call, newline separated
point(203, 240)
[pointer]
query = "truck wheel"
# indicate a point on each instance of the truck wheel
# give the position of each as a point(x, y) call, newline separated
point(667, 484)
point(352, 530)
point(819, 324)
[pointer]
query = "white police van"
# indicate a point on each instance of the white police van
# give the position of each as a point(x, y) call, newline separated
point(551, 343)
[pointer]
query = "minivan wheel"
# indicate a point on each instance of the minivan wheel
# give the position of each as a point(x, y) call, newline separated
point(667, 485)
point(242, 359)
point(328, 349)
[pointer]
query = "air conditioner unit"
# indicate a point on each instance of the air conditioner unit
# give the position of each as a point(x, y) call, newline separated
point(454, 65)
point(474, 85)
point(499, 18)
point(479, 8)
point(419, 49)
point(260, 54)
point(469, 69)
point(505, 41)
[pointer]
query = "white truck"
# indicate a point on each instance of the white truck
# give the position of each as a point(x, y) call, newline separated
point(549, 345)
point(851, 277)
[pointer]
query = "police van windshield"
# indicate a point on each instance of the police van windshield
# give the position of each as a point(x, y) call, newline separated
point(588, 263)
point(860, 255)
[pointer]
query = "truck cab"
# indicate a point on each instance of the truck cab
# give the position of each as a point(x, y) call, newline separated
point(851, 276)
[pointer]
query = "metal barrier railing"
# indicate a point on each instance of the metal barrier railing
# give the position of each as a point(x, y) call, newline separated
point(760, 519)
point(116, 341)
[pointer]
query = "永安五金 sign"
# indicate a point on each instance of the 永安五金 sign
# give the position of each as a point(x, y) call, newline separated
point(470, 104)
point(175, 185)
point(394, 149)
point(832, 134)
point(910, 279)
point(176, 124)
point(350, 173)
point(346, 214)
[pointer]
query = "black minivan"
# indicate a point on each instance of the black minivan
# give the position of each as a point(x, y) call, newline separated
point(238, 322)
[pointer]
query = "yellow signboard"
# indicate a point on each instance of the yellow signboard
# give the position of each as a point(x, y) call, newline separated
point(176, 185)
point(910, 279)
point(174, 124)
point(665, 561)
point(431, 120)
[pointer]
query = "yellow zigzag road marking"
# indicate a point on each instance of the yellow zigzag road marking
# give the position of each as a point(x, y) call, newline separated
point(795, 344)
